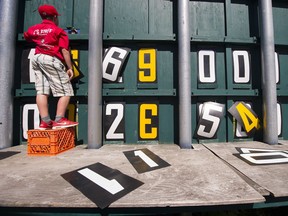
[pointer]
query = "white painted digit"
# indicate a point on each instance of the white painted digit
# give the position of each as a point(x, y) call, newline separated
point(31, 71)
point(255, 150)
point(215, 121)
point(203, 78)
point(277, 67)
point(244, 78)
point(279, 119)
point(25, 111)
point(116, 62)
point(145, 158)
point(112, 186)
point(111, 134)
point(280, 157)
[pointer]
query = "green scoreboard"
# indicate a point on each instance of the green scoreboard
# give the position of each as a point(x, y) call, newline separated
point(140, 70)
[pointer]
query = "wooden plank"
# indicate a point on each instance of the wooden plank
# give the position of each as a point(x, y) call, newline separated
point(272, 177)
point(195, 177)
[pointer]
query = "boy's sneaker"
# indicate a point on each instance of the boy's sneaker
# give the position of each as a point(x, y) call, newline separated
point(45, 126)
point(64, 123)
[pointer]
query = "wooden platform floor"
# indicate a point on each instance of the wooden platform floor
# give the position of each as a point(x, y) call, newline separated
point(208, 175)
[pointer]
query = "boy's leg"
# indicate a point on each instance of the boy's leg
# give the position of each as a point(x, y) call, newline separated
point(62, 104)
point(42, 104)
point(60, 120)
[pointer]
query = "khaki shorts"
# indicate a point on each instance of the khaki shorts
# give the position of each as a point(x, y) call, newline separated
point(50, 74)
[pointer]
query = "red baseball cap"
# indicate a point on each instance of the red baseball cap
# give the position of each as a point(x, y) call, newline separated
point(47, 10)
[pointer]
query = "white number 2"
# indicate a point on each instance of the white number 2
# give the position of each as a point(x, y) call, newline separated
point(111, 134)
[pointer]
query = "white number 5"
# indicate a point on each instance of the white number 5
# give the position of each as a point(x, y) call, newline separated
point(210, 119)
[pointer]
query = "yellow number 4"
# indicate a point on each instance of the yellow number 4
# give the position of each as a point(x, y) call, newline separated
point(250, 121)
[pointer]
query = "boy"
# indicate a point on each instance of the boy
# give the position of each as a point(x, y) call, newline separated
point(53, 67)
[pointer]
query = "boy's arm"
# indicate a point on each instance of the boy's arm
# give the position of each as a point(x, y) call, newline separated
point(67, 58)
point(26, 36)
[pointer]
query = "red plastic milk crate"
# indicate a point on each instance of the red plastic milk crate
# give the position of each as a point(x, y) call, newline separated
point(50, 142)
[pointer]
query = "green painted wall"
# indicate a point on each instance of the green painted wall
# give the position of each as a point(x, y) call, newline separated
point(217, 28)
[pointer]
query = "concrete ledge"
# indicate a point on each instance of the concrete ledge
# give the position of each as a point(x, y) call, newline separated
point(270, 177)
point(196, 177)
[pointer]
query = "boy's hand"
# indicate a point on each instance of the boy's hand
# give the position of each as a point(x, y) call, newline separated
point(70, 73)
